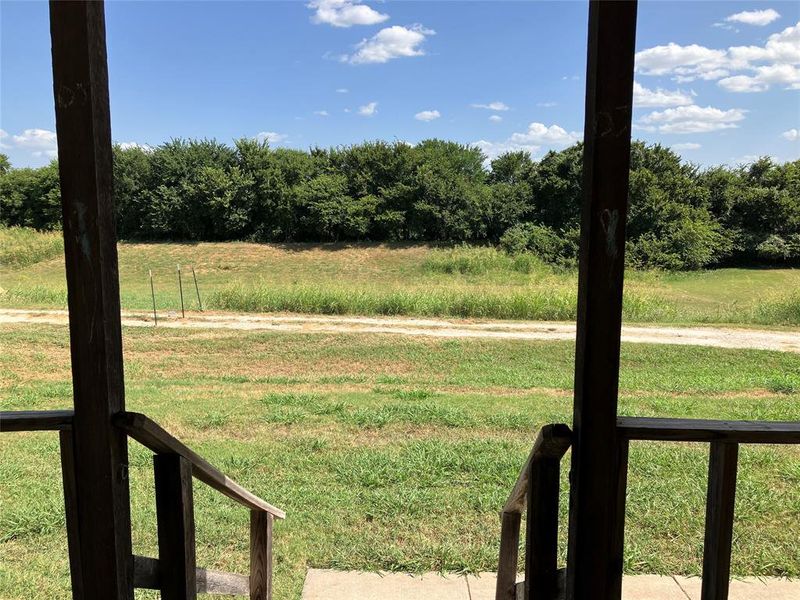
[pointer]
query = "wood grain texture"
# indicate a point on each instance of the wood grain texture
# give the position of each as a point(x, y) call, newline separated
point(722, 468)
point(541, 536)
point(261, 555)
point(71, 512)
point(152, 435)
point(508, 556)
point(83, 127)
point(176, 533)
point(706, 430)
point(591, 567)
point(552, 441)
point(617, 548)
point(35, 420)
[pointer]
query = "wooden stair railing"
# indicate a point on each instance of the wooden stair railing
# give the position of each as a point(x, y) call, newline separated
point(174, 573)
point(539, 481)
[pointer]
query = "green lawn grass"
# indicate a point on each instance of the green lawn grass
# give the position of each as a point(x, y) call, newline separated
point(404, 279)
point(390, 452)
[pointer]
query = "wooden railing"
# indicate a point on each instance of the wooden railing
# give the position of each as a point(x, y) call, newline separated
point(175, 572)
point(539, 481)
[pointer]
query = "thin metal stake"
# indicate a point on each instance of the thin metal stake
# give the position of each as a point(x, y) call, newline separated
point(180, 289)
point(197, 289)
point(153, 294)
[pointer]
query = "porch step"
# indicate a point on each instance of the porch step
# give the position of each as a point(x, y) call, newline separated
point(326, 584)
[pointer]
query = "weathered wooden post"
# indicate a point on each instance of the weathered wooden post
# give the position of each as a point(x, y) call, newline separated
point(153, 296)
point(83, 125)
point(594, 563)
point(180, 291)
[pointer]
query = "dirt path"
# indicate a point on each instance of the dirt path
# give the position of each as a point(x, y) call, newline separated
point(720, 337)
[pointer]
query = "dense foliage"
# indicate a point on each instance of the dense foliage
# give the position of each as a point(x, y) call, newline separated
point(680, 217)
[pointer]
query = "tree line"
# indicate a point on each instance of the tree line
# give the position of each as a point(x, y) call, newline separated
point(680, 216)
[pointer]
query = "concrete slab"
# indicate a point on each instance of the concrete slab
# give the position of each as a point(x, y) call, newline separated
point(483, 585)
point(324, 584)
point(641, 587)
point(651, 587)
point(748, 588)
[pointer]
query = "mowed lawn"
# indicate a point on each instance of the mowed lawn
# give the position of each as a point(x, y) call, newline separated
point(404, 279)
point(390, 452)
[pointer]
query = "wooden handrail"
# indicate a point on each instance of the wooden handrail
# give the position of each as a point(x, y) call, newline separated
point(36, 420)
point(706, 430)
point(153, 436)
point(551, 442)
point(538, 482)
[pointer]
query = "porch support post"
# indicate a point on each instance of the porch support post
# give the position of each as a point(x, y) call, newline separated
point(80, 86)
point(594, 562)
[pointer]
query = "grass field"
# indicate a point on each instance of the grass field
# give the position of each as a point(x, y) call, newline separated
point(398, 279)
point(390, 452)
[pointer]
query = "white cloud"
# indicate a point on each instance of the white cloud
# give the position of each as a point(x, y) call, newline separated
point(644, 97)
point(692, 119)
point(39, 142)
point(495, 118)
point(427, 115)
point(546, 104)
point(129, 145)
point(787, 75)
point(539, 133)
point(342, 90)
point(673, 58)
point(368, 109)
point(494, 149)
point(345, 13)
point(271, 137)
point(537, 136)
point(792, 135)
point(738, 68)
point(742, 83)
point(321, 113)
point(389, 43)
point(496, 105)
point(686, 146)
point(755, 17)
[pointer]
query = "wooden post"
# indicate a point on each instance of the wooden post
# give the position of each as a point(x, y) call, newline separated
point(509, 555)
point(153, 295)
point(71, 511)
point(175, 511)
point(722, 467)
point(260, 555)
point(541, 549)
point(80, 86)
point(594, 570)
point(180, 290)
point(197, 290)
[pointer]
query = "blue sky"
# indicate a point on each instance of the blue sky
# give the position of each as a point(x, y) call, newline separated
point(717, 81)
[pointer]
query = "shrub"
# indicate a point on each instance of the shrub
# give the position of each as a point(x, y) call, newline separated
point(777, 249)
point(541, 241)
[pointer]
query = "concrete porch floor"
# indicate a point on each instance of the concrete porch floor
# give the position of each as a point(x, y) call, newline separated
point(325, 584)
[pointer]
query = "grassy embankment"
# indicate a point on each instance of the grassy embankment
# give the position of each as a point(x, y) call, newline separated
point(400, 279)
point(390, 452)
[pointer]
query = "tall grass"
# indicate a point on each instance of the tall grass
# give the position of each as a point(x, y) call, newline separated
point(21, 246)
point(35, 295)
point(783, 310)
point(469, 260)
point(550, 303)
